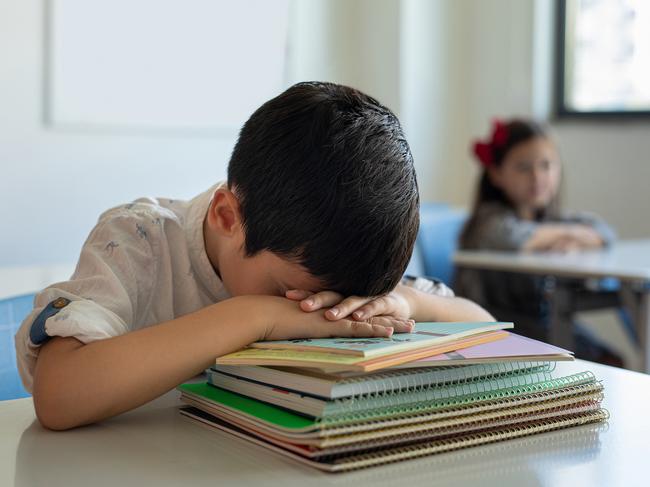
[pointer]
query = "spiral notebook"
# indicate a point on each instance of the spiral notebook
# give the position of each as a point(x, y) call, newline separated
point(343, 461)
point(416, 413)
point(343, 420)
point(283, 423)
point(395, 400)
point(444, 423)
point(330, 386)
point(371, 393)
point(376, 411)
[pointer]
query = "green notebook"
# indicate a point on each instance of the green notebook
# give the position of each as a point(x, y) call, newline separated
point(257, 409)
point(385, 406)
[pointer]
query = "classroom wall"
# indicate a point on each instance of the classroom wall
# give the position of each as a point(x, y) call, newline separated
point(54, 183)
point(504, 50)
point(446, 67)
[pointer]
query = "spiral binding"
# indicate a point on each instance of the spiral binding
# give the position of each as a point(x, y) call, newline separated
point(429, 398)
point(583, 390)
point(402, 386)
point(342, 463)
point(495, 460)
point(458, 424)
point(404, 380)
point(447, 430)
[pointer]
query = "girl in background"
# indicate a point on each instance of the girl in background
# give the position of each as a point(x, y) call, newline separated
point(516, 208)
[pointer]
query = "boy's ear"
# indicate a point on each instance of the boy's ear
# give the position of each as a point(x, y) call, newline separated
point(224, 216)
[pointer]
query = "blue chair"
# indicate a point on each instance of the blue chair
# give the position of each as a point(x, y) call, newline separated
point(437, 241)
point(12, 313)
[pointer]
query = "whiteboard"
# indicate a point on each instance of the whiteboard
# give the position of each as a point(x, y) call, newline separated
point(162, 64)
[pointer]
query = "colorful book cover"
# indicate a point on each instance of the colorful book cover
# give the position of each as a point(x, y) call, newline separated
point(331, 362)
point(424, 335)
point(512, 347)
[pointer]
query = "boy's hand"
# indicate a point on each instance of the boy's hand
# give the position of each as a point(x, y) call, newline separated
point(398, 304)
point(290, 321)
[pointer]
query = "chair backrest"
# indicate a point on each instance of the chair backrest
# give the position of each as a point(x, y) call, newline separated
point(437, 240)
point(12, 313)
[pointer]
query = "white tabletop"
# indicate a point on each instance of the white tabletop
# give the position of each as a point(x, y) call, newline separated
point(154, 445)
point(626, 260)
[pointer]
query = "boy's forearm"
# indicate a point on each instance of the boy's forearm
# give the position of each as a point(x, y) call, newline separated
point(429, 307)
point(77, 384)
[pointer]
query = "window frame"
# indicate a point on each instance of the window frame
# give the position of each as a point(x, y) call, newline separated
point(562, 111)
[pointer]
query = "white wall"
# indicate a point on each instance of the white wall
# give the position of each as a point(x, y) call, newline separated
point(608, 171)
point(55, 181)
point(353, 42)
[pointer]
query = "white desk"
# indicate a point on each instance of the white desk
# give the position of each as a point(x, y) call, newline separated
point(153, 445)
point(628, 261)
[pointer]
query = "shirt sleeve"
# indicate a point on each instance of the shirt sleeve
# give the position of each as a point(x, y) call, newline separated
point(504, 231)
point(498, 228)
point(105, 297)
point(606, 232)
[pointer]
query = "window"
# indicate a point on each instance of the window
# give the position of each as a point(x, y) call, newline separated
point(603, 58)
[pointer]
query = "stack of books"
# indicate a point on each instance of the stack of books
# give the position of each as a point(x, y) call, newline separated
point(343, 404)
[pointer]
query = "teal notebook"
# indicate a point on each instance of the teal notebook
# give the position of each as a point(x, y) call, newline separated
point(413, 398)
point(326, 386)
point(424, 335)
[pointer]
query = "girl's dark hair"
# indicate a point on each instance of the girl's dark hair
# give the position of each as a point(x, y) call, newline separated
point(325, 178)
point(518, 131)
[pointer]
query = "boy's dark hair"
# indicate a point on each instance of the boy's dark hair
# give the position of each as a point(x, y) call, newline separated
point(519, 131)
point(325, 177)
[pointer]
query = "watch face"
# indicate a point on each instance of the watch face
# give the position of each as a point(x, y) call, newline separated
point(60, 303)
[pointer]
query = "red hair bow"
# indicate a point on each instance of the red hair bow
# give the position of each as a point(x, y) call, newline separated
point(484, 151)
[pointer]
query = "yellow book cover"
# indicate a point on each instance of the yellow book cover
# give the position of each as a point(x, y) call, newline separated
point(330, 362)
